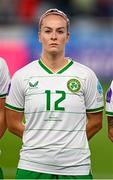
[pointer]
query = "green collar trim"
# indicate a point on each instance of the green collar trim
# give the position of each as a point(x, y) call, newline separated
point(65, 68)
point(59, 72)
point(45, 67)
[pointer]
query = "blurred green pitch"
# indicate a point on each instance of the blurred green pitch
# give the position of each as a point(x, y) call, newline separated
point(101, 153)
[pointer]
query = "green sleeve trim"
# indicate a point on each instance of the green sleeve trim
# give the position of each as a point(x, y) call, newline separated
point(109, 113)
point(2, 95)
point(95, 110)
point(13, 108)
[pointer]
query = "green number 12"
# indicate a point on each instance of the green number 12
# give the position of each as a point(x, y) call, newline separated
point(57, 102)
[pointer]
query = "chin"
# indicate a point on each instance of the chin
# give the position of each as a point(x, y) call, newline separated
point(53, 52)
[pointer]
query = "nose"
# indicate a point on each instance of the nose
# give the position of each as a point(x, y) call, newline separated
point(53, 36)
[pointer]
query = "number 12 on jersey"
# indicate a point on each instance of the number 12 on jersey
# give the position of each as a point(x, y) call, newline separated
point(57, 102)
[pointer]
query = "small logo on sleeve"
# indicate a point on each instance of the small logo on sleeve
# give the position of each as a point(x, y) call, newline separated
point(109, 95)
point(99, 88)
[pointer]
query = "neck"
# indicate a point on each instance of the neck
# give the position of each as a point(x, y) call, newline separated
point(54, 62)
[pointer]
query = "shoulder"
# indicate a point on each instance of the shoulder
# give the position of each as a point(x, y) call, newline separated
point(83, 70)
point(29, 66)
point(27, 70)
point(109, 93)
point(2, 63)
point(111, 85)
point(4, 70)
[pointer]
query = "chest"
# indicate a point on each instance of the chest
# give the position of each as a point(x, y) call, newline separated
point(54, 93)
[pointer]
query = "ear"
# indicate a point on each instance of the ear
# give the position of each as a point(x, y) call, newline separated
point(39, 36)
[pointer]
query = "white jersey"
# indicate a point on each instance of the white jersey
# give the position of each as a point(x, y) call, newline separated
point(4, 78)
point(109, 100)
point(55, 106)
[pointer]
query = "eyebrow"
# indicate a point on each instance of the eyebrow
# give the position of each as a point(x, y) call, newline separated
point(52, 28)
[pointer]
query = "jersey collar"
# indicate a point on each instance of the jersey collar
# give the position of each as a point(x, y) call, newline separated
point(59, 72)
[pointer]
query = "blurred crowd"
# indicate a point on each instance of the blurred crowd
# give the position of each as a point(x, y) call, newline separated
point(28, 11)
point(91, 32)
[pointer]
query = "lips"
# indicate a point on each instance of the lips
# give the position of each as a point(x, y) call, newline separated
point(53, 44)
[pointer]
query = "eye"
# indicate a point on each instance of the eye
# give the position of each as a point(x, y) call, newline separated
point(60, 32)
point(47, 31)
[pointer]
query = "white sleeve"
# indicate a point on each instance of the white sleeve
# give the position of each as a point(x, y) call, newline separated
point(4, 78)
point(109, 100)
point(15, 99)
point(93, 93)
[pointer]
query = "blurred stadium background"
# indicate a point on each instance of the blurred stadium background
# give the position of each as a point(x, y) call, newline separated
point(91, 43)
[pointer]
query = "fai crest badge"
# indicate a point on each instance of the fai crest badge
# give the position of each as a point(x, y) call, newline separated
point(73, 85)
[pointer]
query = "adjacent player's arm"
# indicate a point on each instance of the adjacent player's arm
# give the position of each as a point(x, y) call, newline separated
point(2, 117)
point(15, 122)
point(110, 127)
point(94, 124)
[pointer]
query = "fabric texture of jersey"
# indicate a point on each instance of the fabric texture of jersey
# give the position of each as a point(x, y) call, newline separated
point(55, 107)
point(109, 100)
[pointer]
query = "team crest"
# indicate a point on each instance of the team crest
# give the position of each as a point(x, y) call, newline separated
point(73, 85)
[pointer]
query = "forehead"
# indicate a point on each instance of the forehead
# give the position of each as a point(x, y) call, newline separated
point(54, 20)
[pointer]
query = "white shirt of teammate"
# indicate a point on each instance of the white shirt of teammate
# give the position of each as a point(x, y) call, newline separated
point(4, 78)
point(109, 100)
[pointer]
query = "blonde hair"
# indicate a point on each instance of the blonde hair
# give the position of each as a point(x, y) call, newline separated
point(54, 12)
